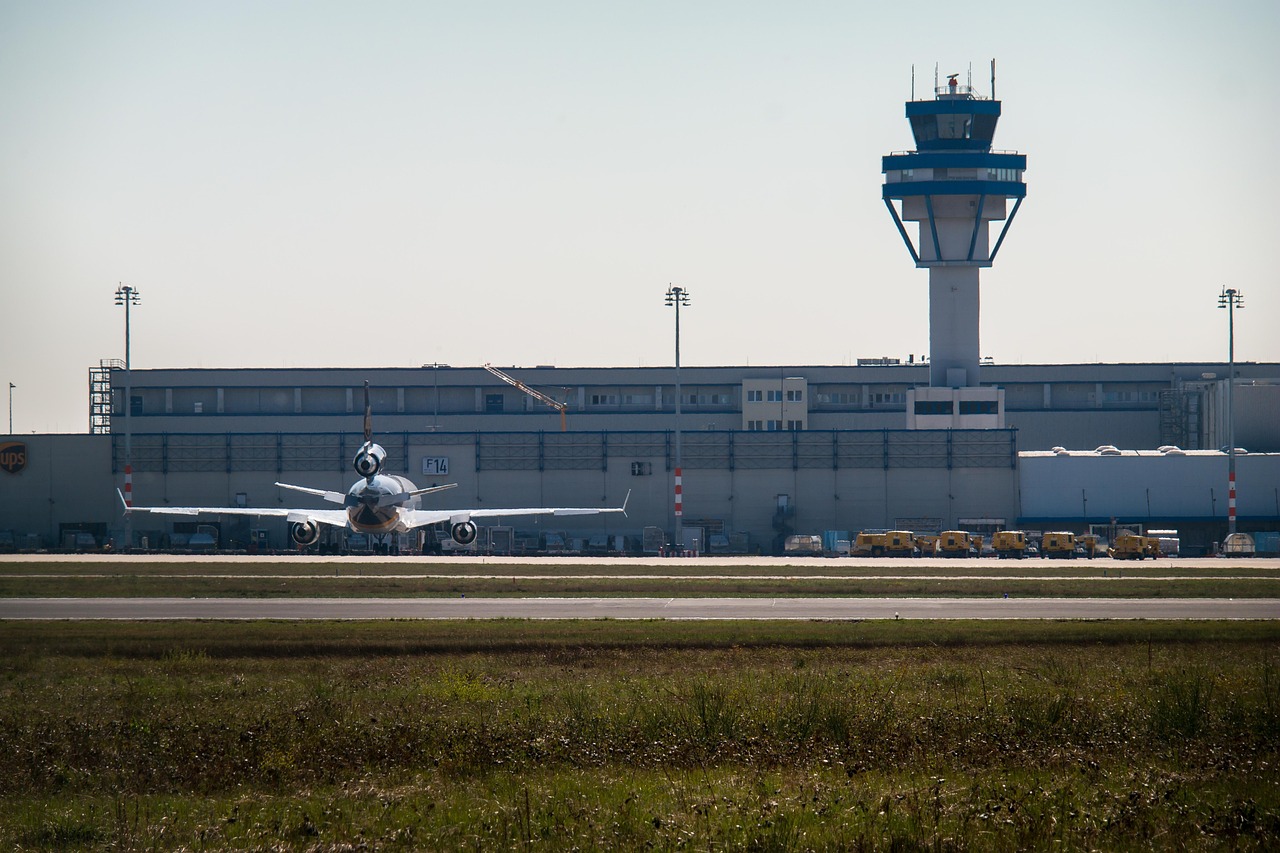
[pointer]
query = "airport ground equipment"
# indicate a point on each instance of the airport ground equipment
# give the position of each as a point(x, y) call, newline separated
point(926, 544)
point(1087, 545)
point(1128, 546)
point(1058, 543)
point(954, 543)
point(869, 545)
point(1009, 544)
point(1151, 546)
point(899, 543)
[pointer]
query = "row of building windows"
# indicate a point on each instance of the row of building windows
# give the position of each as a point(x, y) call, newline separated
point(1130, 396)
point(773, 426)
point(758, 395)
point(967, 407)
point(956, 174)
point(243, 401)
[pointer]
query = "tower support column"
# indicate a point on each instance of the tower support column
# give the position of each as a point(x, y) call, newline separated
point(953, 327)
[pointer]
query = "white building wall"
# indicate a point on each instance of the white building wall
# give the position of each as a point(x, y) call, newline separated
point(1138, 485)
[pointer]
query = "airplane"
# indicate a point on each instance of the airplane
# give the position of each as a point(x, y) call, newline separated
point(378, 503)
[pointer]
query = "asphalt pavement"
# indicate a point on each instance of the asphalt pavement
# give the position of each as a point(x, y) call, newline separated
point(637, 608)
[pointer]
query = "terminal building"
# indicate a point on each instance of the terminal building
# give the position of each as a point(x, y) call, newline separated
point(943, 441)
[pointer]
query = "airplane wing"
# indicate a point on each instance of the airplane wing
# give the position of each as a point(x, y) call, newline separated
point(335, 517)
point(424, 517)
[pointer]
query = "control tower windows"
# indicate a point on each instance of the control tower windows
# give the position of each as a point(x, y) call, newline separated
point(931, 127)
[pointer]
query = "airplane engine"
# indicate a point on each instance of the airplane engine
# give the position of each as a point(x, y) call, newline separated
point(368, 461)
point(304, 533)
point(464, 532)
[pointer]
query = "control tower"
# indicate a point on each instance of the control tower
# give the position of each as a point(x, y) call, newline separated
point(953, 186)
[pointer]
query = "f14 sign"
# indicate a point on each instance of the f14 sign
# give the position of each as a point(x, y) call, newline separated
point(435, 466)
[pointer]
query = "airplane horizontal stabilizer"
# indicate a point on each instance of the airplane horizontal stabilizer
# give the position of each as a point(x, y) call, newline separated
point(429, 489)
point(331, 497)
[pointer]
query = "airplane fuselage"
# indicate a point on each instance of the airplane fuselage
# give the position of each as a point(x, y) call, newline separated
point(374, 504)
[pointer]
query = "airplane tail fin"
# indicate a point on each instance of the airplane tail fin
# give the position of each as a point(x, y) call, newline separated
point(127, 509)
point(368, 414)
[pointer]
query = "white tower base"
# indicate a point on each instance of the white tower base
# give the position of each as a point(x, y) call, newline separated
point(955, 408)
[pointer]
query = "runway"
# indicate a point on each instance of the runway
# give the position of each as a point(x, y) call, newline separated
point(635, 608)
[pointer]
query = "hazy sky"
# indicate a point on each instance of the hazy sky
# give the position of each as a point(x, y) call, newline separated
point(389, 184)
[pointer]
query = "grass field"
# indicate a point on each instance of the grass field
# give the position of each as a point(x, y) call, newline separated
point(594, 735)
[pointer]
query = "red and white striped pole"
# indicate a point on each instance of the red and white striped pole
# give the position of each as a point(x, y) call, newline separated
point(1231, 299)
point(128, 485)
point(679, 500)
point(1231, 501)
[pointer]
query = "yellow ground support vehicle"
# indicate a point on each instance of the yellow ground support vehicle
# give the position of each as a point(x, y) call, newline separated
point(1151, 546)
point(1058, 544)
point(926, 544)
point(868, 545)
point(1009, 544)
point(1128, 546)
point(954, 543)
point(899, 543)
point(1087, 545)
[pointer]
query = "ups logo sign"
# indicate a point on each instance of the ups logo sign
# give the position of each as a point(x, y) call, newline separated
point(13, 456)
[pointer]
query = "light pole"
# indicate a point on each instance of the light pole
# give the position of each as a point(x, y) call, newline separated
point(677, 296)
point(1230, 299)
point(127, 296)
point(11, 387)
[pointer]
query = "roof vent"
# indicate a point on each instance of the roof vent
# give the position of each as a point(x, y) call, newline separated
point(1059, 450)
point(1107, 450)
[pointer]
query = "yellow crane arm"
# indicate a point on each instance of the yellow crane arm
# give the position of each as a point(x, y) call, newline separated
point(537, 395)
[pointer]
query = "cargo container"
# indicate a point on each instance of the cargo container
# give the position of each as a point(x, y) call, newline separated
point(1238, 545)
point(831, 541)
point(803, 545)
point(1266, 543)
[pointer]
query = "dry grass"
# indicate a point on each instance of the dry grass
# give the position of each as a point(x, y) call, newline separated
point(603, 735)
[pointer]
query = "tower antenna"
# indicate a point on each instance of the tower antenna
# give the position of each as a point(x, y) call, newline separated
point(913, 81)
point(993, 79)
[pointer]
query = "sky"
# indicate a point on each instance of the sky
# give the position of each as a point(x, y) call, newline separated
point(382, 184)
